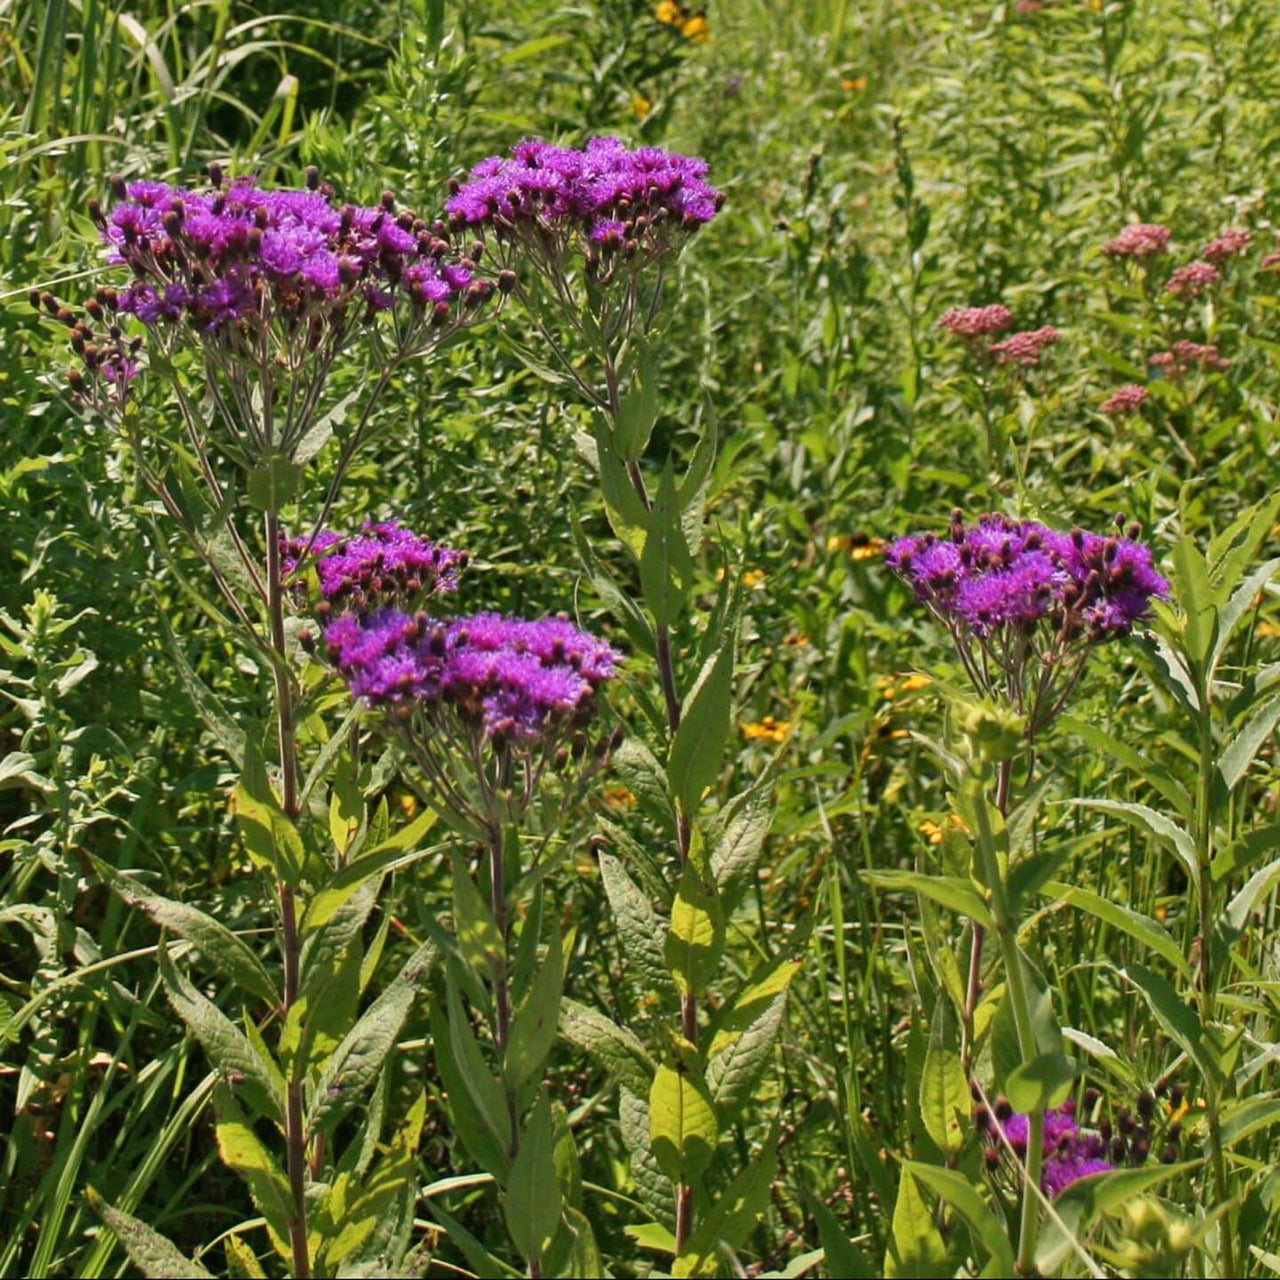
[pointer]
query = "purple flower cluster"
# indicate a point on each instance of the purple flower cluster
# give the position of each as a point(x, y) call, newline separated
point(383, 565)
point(619, 199)
point(1070, 1153)
point(1001, 574)
point(502, 677)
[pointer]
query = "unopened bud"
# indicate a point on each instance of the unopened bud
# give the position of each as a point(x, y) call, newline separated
point(313, 177)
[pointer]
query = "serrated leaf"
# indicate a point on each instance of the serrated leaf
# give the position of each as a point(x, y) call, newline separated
point(615, 1048)
point(155, 1256)
point(229, 1050)
point(244, 1154)
point(652, 1187)
point(737, 1061)
point(532, 1201)
point(229, 955)
point(356, 1062)
point(639, 927)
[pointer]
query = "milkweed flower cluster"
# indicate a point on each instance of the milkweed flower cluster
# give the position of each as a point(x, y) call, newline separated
point(1125, 400)
point(1230, 244)
point(1139, 240)
point(1187, 355)
point(1192, 279)
point(384, 565)
point(1069, 1152)
point(1025, 603)
point(1025, 349)
point(974, 324)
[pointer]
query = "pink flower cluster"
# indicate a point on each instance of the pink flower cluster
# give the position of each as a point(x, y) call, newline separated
point(1026, 347)
point(974, 323)
point(1185, 355)
point(1125, 400)
point(1232, 242)
point(1192, 280)
point(1138, 240)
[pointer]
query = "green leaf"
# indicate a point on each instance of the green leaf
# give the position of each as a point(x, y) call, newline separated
point(244, 1154)
point(1248, 741)
point(744, 827)
point(616, 1049)
point(952, 892)
point(270, 839)
point(272, 483)
point(651, 1186)
point(533, 1030)
point(1158, 824)
point(682, 1119)
point(639, 926)
point(585, 1262)
point(666, 567)
point(229, 1050)
point(945, 1100)
point(210, 709)
point(1142, 928)
point(987, 1227)
point(478, 937)
point(1245, 851)
point(915, 1246)
point(1043, 1082)
point(475, 1071)
point(1157, 777)
point(843, 1257)
point(736, 1063)
point(465, 1117)
point(356, 1062)
point(704, 727)
point(1177, 1017)
point(1241, 1120)
point(732, 1216)
point(532, 1201)
point(396, 851)
point(637, 410)
point(229, 955)
point(627, 514)
point(155, 1256)
point(695, 937)
point(1241, 601)
point(346, 806)
point(1196, 597)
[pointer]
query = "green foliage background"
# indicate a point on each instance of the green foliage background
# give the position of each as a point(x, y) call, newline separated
point(883, 161)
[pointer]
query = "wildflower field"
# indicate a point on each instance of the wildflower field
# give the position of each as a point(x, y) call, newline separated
point(639, 639)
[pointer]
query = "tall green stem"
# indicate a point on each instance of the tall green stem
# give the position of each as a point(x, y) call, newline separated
point(295, 1135)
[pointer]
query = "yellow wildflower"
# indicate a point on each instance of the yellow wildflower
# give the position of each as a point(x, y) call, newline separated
point(640, 105)
point(620, 798)
point(798, 640)
point(861, 546)
point(769, 729)
point(853, 85)
point(1268, 630)
point(895, 688)
point(935, 834)
point(408, 803)
point(669, 13)
point(753, 578)
point(695, 28)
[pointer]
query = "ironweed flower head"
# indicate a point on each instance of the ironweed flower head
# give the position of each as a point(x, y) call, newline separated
point(1230, 244)
point(1025, 348)
point(976, 323)
point(1025, 603)
point(285, 276)
point(1192, 280)
point(384, 565)
point(1069, 1152)
point(1125, 400)
point(1138, 240)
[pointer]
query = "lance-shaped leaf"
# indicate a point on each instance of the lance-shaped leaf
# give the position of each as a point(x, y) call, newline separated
point(666, 567)
point(387, 855)
point(1248, 741)
point(915, 1244)
point(731, 1218)
point(683, 1128)
point(699, 743)
point(695, 936)
point(478, 937)
point(244, 1154)
point(230, 955)
point(466, 1119)
point(652, 1187)
point(476, 1072)
point(1145, 930)
point(271, 840)
point(622, 503)
point(945, 1101)
point(953, 892)
point(637, 409)
point(615, 1048)
point(1158, 824)
point(1177, 1017)
point(532, 1201)
point(639, 926)
point(987, 1227)
point(272, 483)
point(157, 1257)
point(229, 1050)
point(533, 1030)
point(355, 1063)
